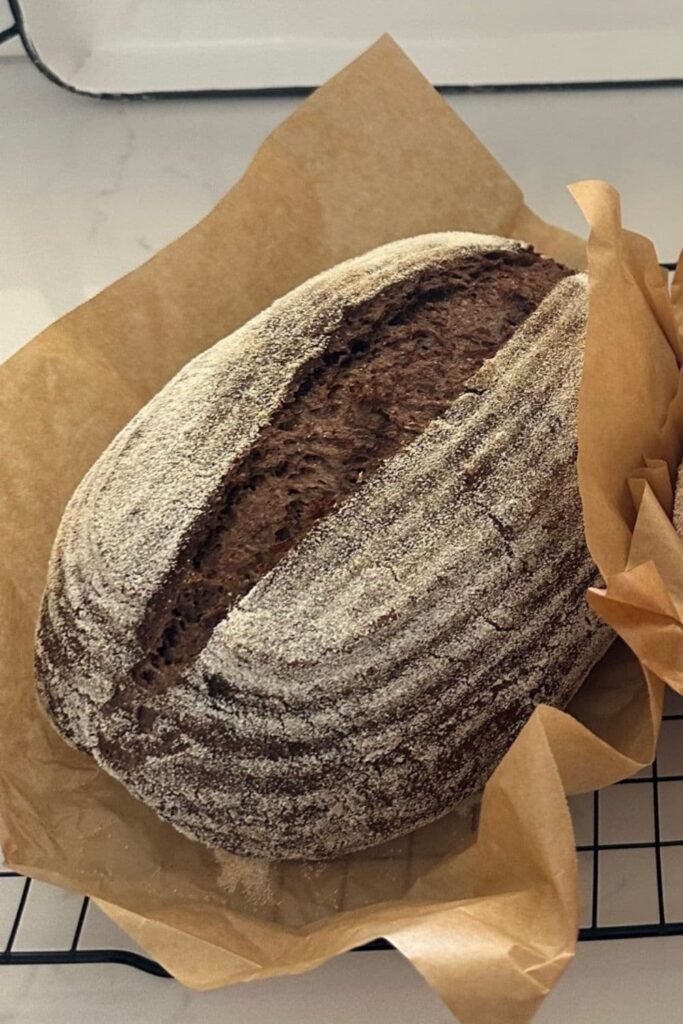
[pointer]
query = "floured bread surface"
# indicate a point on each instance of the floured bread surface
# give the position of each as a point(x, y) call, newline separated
point(678, 502)
point(307, 598)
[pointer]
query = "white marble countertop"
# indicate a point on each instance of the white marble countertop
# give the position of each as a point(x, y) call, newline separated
point(89, 190)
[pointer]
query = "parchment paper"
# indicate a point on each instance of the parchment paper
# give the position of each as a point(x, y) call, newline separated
point(631, 420)
point(488, 916)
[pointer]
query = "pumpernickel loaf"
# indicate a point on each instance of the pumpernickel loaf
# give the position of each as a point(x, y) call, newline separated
point(308, 597)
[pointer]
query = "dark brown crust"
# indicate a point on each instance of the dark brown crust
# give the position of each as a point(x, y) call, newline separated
point(397, 363)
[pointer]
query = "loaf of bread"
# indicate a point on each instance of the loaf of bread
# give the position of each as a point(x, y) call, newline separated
point(307, 598)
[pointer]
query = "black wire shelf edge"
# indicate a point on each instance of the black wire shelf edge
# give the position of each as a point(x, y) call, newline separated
point(9, 33)
point(286, 91)
point(604, 933)
point(84, 956)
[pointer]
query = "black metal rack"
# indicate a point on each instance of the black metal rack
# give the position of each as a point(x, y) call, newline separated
point(661, 927)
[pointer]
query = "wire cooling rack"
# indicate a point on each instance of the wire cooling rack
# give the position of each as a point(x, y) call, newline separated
point(629, 844)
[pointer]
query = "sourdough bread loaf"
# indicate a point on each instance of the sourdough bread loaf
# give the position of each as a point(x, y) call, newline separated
point(308, 597)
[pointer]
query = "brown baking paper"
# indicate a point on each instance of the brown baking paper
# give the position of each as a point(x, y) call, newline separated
point(487, 915)
point(631, 419)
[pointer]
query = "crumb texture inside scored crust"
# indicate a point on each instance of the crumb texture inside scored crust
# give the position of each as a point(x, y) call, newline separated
point(394, 365)
point(678, 501)
point(350, 557)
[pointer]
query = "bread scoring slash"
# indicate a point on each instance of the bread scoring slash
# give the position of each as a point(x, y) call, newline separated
point(307, 598)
